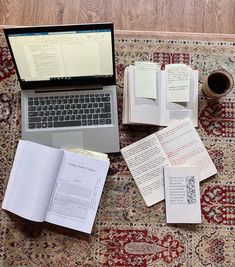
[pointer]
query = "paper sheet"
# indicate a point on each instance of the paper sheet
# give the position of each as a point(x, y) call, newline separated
point(77, 191)
point(178, 82)
point(32, 180)
point(145, 79)
point(145, 160)
point(183, 146)
point(182, 194)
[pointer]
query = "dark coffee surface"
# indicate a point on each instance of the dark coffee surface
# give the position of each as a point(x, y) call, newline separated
point(218, 83)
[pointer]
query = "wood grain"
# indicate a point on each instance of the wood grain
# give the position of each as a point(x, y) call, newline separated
point(202, 16)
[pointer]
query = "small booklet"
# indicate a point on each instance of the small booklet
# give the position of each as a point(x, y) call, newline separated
point(182, 194)
point(159, 97)
point(176, 145)
point(56, 186)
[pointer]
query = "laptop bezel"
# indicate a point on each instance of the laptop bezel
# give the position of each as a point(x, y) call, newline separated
point(111, 80)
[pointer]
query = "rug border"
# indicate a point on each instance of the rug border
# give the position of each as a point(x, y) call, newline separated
point(177, 35)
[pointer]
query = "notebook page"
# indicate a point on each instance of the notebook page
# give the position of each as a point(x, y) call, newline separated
point(32, 180)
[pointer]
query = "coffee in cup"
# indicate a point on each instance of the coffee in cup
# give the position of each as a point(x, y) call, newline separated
point(217, 84)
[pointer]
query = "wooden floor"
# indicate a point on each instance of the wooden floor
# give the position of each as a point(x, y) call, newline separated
point(208, 16)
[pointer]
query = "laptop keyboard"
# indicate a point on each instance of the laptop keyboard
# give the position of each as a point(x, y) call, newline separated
point(69, 110)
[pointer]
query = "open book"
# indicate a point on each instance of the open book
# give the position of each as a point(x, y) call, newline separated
point(159, 97)
point(176, 145)
point(56, 186)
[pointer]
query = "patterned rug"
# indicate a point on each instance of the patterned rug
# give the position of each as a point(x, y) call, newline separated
point(126, 232)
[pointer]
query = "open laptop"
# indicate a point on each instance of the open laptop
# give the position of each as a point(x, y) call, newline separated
point(67, 77)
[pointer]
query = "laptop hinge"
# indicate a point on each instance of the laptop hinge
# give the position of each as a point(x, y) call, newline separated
point(68, 88)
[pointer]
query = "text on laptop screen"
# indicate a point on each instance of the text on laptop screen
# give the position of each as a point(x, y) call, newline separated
point(44, 56)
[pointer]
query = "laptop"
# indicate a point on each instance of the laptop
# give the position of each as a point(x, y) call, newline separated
point(67, 77)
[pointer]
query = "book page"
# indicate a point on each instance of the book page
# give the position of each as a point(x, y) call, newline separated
point(143, 110)
point(145, 160)
point(174, 111)
point(178, 80)
point(183, 146)
point(145, 79)
point(32, 180)
point(182, 195)
point(77, 192)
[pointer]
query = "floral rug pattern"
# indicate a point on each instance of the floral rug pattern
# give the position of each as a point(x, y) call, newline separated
point(126, 232)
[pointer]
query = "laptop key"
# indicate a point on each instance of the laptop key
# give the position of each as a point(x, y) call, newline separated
point(107, 107)
point(34, 119)
point(33, 113)
point(105, 99)
point(105, 115)
point(31, 125)
point(44, 119)
point(31, 108)
point(66, 123)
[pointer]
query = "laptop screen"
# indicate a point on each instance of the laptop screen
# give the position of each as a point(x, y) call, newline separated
point(63, 55)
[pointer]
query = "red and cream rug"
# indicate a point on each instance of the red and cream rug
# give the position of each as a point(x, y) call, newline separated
point(127, 233)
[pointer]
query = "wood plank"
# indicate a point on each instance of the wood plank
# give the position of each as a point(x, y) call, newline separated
point(208, 16)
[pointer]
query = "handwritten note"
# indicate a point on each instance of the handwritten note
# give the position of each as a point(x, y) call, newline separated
point(146, 79)
point(178, 82)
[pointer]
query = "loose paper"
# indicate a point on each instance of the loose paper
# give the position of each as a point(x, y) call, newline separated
point(146, 79)
point(182, 194)
point(178, 82)
point(145, 159)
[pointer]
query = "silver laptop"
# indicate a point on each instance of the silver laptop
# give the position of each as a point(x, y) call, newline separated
point(67, 77)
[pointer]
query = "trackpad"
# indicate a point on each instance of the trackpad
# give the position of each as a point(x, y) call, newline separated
point(68, 140)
